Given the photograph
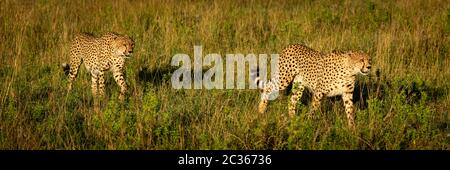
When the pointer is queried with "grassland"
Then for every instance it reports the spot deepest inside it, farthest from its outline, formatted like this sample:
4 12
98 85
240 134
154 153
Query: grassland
402 104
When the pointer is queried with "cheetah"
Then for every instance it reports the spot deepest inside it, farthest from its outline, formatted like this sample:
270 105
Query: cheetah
100 54
324 74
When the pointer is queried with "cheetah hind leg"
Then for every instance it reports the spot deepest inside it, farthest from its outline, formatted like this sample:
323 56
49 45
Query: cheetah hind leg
270 92
267 94
297 91
100 98
118 76
263 103
94 89
75 62
315 105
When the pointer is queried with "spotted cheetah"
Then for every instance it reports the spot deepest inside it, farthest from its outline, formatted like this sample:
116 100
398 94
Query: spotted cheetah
323 74
99 54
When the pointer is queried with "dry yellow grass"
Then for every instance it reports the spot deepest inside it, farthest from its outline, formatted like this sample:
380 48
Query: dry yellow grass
407 105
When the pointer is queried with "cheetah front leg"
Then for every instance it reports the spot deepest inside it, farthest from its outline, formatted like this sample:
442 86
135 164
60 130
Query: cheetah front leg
347 97
118 76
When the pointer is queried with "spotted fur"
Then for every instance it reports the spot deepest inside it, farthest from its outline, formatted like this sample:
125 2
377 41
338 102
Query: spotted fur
100 54
329 74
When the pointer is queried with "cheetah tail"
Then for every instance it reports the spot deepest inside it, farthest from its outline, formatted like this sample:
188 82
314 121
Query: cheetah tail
254 75
66 68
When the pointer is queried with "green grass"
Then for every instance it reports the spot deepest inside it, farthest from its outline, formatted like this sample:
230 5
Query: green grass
406 96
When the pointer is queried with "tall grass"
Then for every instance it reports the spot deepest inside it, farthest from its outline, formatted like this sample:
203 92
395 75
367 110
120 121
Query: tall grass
402 104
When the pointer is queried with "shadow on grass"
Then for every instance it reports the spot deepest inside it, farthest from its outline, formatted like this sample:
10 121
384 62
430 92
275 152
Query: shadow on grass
376 87
161 75
156 76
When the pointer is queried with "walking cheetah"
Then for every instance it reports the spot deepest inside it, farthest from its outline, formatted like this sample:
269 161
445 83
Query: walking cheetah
100 54
323 74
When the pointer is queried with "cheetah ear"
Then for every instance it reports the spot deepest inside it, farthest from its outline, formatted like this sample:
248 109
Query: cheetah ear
360 52
114 42
354 56
363 54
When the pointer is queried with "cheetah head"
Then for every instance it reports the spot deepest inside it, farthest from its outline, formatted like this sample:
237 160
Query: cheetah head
123 46
360 62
